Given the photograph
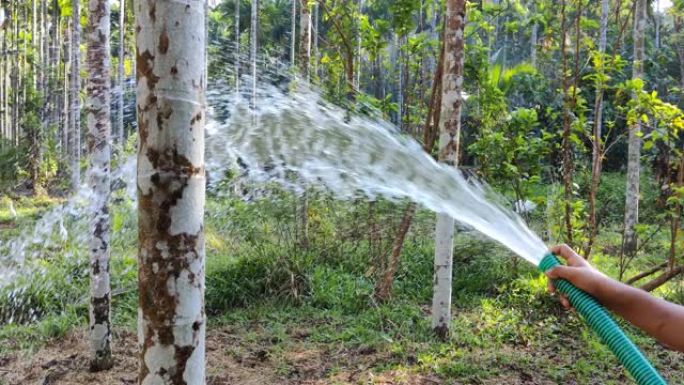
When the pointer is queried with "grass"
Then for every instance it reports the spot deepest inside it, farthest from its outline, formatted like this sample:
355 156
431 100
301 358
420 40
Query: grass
279 301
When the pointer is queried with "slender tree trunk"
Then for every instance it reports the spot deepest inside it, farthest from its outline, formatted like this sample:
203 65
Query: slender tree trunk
533 44
99 153
3 89
305 70
383 288
657 17
253 48
566 144
315 38
629 243
238 47
357 83
74 96
449 140
305 39
293 33
122 57
171 187
66 106
597 143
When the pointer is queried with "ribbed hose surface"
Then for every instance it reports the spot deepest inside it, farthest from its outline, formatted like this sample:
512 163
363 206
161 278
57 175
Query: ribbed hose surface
603 324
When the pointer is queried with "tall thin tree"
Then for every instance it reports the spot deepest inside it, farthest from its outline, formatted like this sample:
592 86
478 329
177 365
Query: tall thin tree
99 152
120 78
253 33
629 242
171 73
597 144
449 142
74 95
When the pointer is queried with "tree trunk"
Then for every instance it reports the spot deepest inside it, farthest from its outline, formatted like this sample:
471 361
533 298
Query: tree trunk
449 140
315 39
253 48
597 143
629 243
171 188
533 44
305 39
122 57
74 96
99 153
383 289
237 47
66 134
566 144
657 17
293 33
305 70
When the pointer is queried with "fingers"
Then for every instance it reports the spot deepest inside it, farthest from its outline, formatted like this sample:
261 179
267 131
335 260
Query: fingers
568 254
551 287
565 302
562 272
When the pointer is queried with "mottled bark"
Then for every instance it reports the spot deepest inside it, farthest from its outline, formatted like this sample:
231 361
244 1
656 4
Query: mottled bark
449 141
315 38
237 46
170 41
120 135
305 39
293 33
74 96
597 143
253 33
629 243
99 152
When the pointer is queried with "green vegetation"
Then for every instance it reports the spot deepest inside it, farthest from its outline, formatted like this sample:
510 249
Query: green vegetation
274 297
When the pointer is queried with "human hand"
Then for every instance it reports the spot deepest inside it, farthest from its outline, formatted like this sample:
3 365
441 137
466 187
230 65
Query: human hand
576 271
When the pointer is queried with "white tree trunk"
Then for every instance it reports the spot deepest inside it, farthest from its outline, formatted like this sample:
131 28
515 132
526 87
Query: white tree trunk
634 144
237 47
449 141
293 34
305 39
74 96
120 97
99 152
253 48
170 41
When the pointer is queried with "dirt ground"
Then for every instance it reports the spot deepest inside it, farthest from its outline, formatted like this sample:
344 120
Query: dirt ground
229 361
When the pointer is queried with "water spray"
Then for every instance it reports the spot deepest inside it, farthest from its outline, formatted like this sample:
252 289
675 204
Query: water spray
607 329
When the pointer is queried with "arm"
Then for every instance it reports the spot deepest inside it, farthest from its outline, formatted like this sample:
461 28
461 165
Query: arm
658 318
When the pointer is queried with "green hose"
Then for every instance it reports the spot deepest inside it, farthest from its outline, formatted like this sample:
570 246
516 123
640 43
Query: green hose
601 322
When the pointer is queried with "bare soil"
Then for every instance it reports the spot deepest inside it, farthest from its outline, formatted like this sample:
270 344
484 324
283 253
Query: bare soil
230 360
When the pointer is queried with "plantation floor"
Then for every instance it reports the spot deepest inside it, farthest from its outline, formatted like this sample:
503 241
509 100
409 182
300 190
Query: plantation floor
260 356
232 360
